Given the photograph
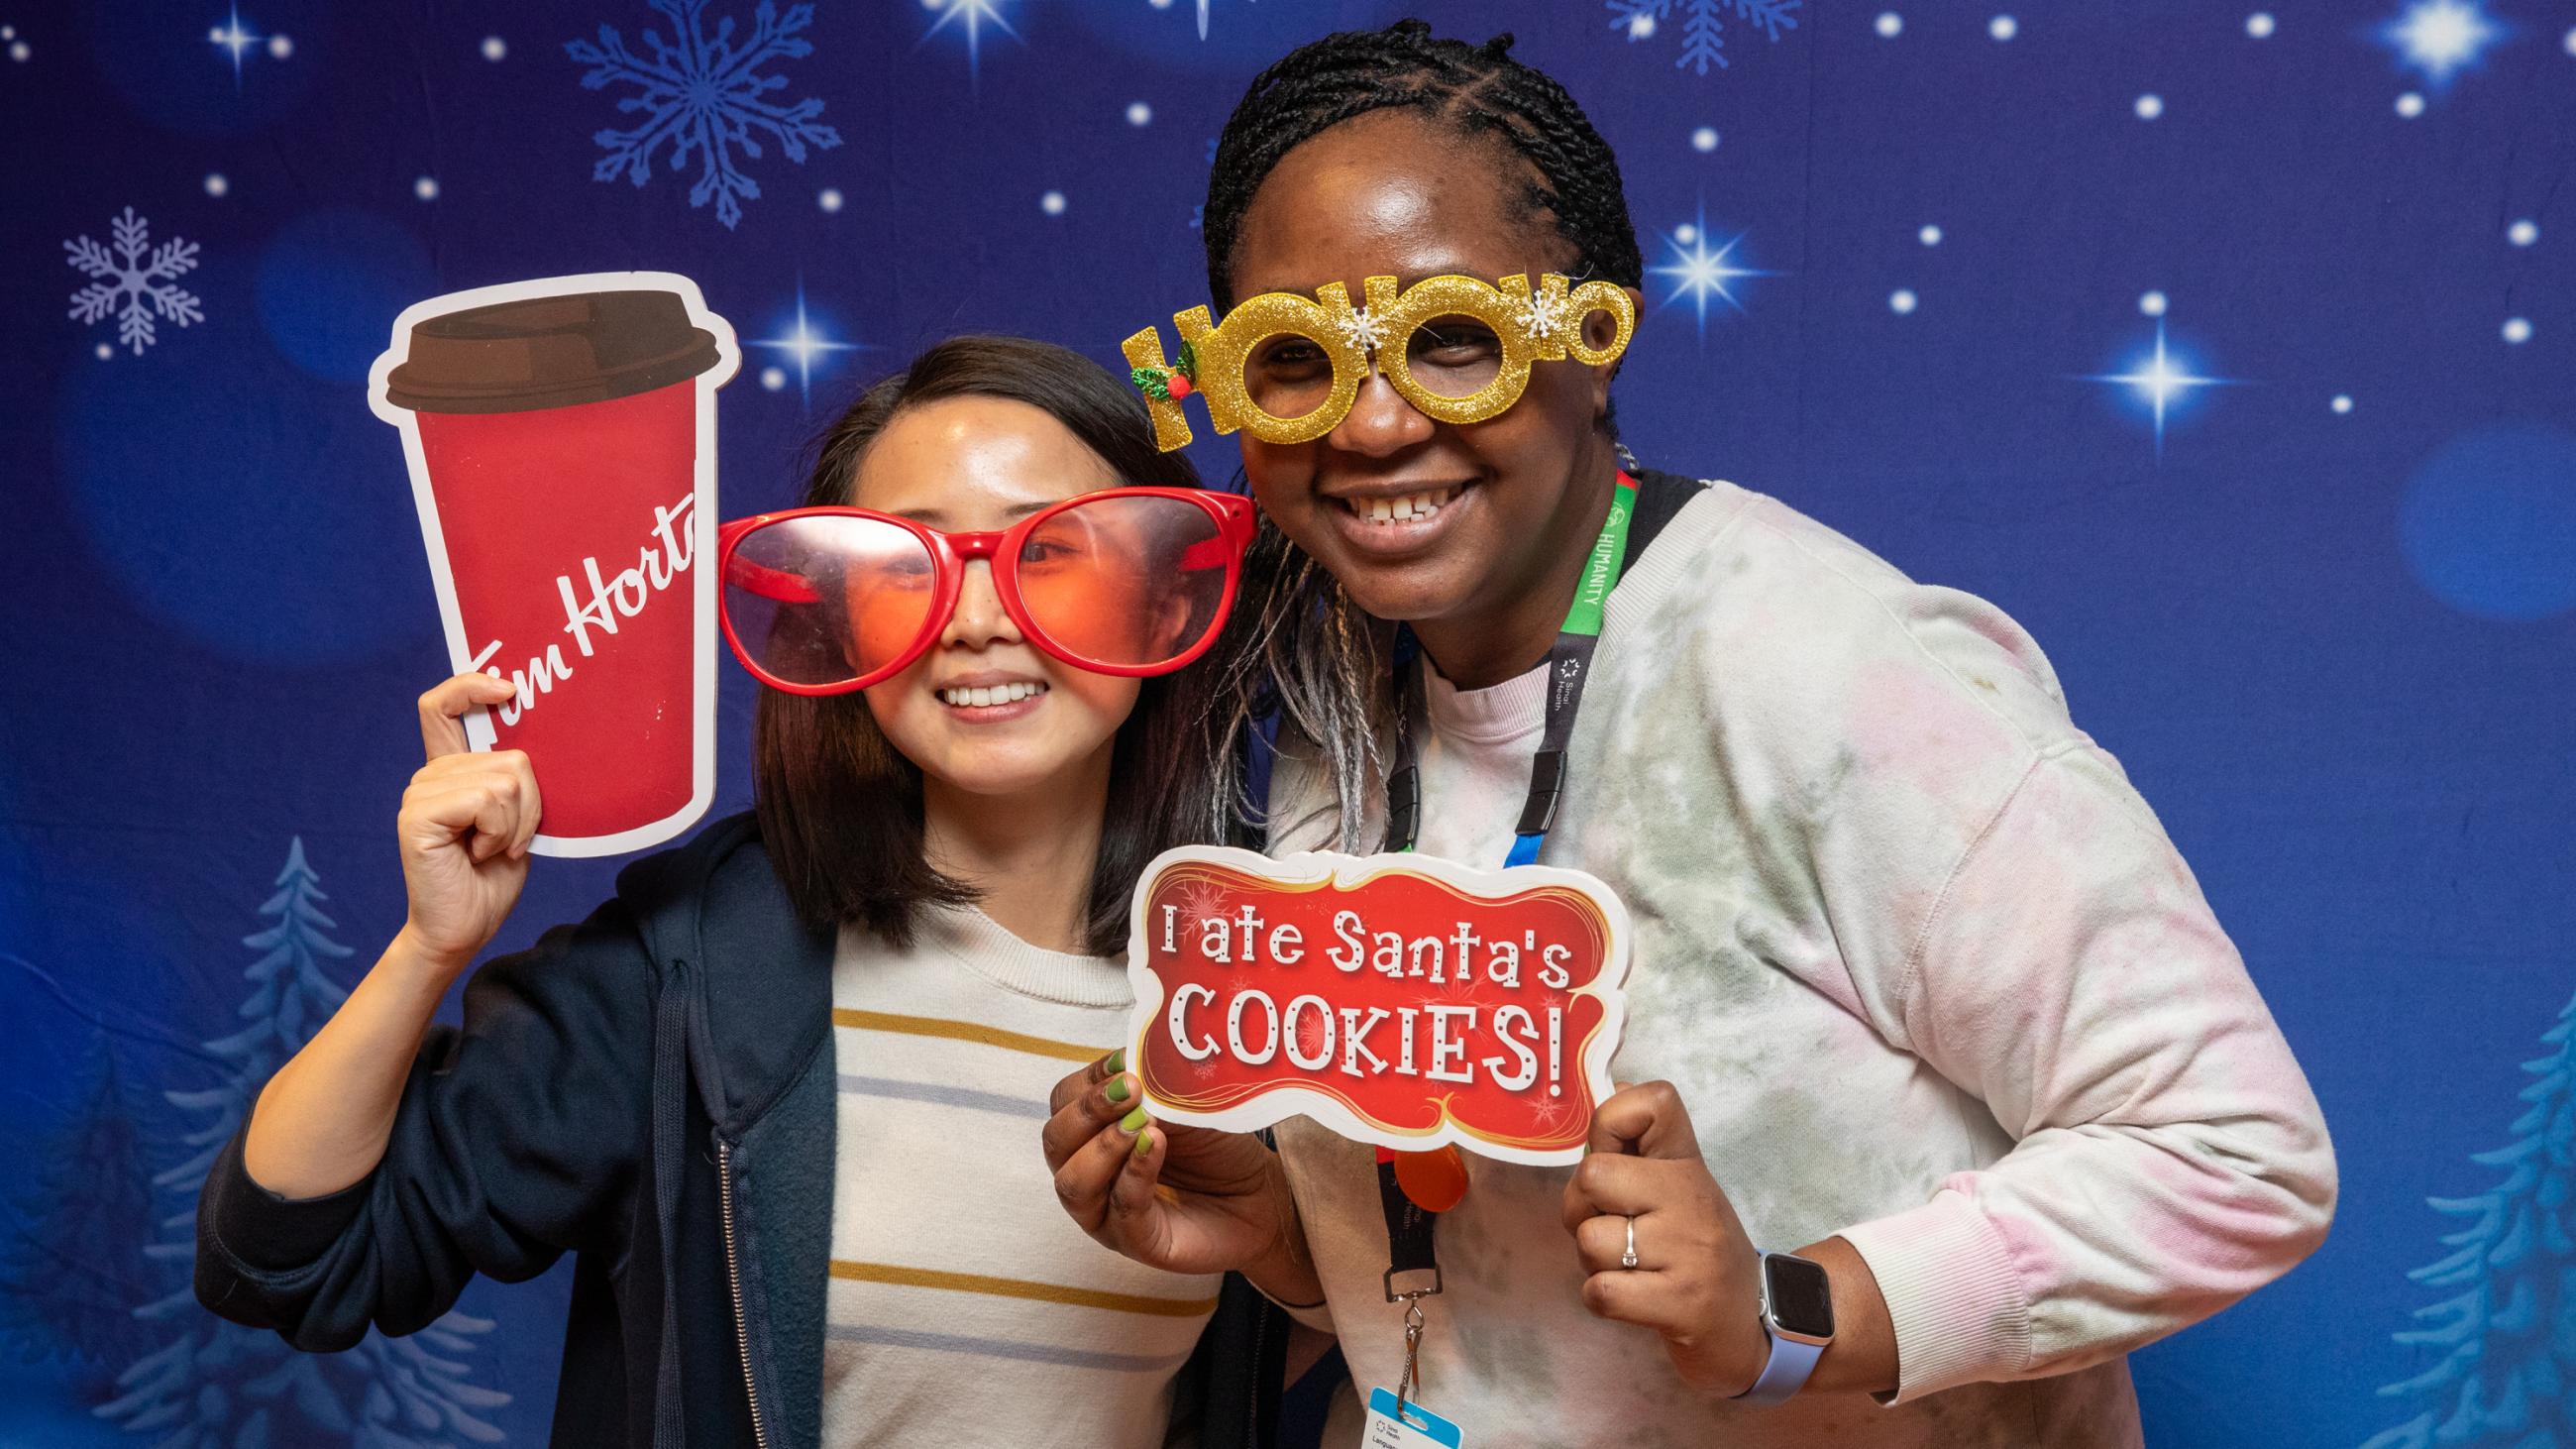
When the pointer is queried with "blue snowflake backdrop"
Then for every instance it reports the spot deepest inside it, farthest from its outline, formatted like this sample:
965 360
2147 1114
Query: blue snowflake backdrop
2232 349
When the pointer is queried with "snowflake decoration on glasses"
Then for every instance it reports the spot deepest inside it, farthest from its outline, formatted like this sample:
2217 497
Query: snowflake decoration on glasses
705 94
1543 315
1361 330
1703 24
137 273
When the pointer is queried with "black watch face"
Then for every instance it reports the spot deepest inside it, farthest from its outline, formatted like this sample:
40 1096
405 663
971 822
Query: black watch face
1801 1300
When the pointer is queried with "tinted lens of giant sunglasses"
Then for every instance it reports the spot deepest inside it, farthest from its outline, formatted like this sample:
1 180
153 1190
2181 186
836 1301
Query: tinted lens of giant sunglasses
1129 582
828 599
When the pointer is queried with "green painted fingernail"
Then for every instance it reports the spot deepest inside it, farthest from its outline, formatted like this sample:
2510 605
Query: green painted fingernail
1117 1061
1133 1122
1117 1090
1144 1144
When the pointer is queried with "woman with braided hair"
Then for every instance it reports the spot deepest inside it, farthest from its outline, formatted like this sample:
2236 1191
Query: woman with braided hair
1923 999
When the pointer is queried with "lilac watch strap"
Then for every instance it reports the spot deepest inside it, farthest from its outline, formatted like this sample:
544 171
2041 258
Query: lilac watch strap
1786 1373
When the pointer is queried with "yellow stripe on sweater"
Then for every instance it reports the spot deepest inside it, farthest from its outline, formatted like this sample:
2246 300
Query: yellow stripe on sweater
965 1031
1021 1288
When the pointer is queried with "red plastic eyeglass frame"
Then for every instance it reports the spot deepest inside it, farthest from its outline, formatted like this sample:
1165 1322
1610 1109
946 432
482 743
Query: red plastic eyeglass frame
1233 513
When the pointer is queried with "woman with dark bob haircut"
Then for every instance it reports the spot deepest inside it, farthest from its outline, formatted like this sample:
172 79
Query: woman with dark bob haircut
758 1093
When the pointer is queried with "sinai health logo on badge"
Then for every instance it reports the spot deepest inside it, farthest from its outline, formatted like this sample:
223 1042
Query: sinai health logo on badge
1401 1000
560 435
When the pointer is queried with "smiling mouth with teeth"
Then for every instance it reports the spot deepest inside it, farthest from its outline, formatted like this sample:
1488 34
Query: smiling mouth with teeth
996 694
1401 510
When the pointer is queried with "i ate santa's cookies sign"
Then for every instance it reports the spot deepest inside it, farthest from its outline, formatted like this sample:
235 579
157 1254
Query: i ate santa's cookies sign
1402 1000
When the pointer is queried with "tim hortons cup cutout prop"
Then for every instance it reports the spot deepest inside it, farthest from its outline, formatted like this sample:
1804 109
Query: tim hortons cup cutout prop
561 438
1402 1000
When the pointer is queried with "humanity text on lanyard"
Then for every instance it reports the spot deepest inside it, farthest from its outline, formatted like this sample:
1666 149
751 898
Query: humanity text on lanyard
1569 663
1410 1224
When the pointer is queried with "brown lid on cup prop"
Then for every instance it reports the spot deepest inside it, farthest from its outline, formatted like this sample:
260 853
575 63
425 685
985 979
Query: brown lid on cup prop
550 352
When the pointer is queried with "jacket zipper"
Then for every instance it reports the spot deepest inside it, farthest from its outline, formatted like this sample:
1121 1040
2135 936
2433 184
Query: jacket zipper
733 1276
1252 1412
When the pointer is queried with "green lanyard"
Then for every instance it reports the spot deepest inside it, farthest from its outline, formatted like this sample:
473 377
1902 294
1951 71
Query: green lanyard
1569 665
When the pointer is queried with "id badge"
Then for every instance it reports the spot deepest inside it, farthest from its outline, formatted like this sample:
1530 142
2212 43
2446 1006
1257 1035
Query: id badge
1419 1429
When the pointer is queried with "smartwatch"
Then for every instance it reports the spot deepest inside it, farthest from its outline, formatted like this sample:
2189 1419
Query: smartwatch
1798 1314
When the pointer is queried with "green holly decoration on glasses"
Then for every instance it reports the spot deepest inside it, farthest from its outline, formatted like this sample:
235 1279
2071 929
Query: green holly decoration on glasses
1169 384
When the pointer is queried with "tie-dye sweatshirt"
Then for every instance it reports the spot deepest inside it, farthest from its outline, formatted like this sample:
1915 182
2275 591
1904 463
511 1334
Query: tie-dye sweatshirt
1927 974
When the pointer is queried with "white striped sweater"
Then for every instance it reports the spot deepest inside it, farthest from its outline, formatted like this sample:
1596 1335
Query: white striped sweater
964 1306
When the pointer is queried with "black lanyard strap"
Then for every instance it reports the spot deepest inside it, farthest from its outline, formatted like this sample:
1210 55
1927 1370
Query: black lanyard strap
1647 505
1408 1232
1638 511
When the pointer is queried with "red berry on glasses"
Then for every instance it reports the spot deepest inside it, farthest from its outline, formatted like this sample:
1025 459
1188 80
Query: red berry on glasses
1180 386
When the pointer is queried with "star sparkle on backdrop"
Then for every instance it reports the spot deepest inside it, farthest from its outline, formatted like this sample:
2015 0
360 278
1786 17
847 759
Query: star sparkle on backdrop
974 15
1202 8
805 346
1697 272
234 38
2439 38
2161 380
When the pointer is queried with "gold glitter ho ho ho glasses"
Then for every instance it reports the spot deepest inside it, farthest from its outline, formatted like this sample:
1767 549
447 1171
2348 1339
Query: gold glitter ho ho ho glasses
1286 370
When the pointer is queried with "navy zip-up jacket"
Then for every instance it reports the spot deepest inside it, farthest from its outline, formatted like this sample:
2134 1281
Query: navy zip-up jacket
652 1090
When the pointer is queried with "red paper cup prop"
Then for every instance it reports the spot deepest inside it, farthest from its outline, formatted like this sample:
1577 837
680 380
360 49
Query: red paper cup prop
561 440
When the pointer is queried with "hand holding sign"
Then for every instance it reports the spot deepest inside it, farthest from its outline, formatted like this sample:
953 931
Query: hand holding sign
1696 1278
1401 1000
1186 1199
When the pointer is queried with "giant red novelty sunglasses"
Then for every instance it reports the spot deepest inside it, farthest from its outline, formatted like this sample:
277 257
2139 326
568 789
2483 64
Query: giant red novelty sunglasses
1130 581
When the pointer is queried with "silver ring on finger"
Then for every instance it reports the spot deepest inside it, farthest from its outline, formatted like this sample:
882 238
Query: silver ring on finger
1628 1259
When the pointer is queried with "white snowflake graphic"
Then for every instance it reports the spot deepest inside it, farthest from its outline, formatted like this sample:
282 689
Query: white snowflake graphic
1547 1112
704 93
1543 315
1361 330
137 273
1703 24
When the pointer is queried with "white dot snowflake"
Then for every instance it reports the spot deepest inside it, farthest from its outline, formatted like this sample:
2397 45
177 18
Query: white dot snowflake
138 274
703 93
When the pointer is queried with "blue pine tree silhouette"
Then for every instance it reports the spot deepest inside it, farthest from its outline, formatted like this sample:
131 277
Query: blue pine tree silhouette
214 1383
68 1281
2506 1335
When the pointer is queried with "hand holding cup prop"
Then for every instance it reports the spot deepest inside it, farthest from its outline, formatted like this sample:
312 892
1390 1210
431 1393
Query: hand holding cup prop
560 437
